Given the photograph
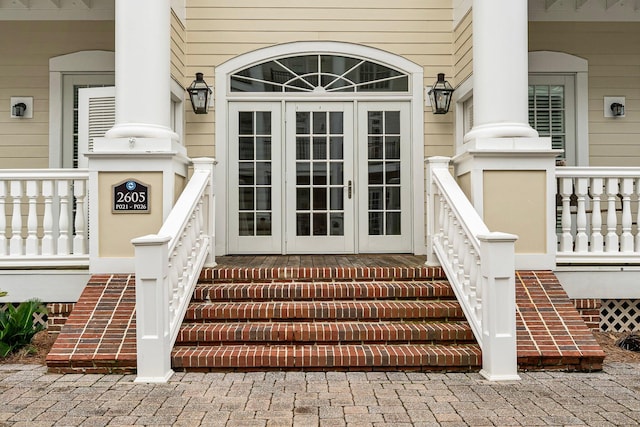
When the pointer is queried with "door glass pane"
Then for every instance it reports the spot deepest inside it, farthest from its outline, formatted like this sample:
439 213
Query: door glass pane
384 167
254 173
319 174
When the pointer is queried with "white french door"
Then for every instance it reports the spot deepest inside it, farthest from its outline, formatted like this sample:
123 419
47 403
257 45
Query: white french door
255 178
384 178
319 177
319 184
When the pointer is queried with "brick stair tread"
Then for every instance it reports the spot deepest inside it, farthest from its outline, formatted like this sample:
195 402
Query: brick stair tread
333 332
327 356
339 310
323 290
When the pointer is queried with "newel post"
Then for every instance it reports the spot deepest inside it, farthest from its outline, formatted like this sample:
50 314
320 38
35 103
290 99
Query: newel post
433 204
499 351
152 309
209 206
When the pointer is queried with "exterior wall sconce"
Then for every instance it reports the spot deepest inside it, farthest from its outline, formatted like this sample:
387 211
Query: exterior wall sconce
21 107
614 106
200 94
440 95
617 109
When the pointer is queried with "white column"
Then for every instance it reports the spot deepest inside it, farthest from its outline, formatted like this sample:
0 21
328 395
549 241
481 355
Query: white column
143 74
500 70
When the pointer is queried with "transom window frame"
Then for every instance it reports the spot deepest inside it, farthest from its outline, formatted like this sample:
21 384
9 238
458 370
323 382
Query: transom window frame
320 73
415 96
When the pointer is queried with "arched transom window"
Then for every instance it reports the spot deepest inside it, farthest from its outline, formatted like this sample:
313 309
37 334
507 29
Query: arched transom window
319 73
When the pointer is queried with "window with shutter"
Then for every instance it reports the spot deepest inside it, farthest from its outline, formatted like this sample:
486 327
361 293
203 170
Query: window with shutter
552 113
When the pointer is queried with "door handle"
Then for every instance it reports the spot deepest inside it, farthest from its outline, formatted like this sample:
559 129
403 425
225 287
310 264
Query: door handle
349 189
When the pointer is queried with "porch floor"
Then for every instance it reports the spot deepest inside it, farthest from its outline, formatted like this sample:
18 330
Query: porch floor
99 335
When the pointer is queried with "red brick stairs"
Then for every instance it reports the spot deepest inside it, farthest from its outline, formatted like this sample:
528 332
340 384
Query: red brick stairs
378 318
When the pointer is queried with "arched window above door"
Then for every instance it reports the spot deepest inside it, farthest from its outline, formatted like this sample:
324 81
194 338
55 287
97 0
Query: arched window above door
319 73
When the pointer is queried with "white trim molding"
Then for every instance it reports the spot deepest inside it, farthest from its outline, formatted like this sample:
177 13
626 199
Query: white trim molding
416 97
83 62
541 62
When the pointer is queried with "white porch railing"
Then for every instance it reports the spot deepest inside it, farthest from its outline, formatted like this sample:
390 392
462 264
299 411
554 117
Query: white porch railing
598 213
43 218
480 266
167 268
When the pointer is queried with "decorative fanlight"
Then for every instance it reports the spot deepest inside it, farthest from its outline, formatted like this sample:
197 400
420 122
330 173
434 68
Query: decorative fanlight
440 95
200 94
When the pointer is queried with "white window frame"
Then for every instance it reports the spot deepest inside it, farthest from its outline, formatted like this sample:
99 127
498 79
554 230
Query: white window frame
84 62
415 95
547 62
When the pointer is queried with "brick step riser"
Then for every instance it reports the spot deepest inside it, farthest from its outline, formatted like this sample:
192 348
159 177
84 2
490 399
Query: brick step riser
225 316
322 292
325 333
357 357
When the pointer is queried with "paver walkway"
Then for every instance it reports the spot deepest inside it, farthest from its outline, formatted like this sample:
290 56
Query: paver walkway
31 397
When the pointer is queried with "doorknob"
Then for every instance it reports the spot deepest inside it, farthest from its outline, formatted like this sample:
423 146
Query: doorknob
349 189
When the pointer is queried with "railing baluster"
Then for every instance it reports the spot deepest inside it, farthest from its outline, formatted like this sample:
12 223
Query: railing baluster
566 239
3 218
626 238
79 240
63 221
47 220
637 184
16 243
582 241
611 240
31 247
597 239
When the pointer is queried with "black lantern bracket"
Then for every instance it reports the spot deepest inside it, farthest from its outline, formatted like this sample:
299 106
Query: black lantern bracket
440 95
200 94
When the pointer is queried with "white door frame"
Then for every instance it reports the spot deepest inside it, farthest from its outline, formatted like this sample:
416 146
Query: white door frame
415 96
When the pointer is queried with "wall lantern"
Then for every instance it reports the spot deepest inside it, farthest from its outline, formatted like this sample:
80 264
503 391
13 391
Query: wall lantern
200 94
617 109
440 95
19 109
614 106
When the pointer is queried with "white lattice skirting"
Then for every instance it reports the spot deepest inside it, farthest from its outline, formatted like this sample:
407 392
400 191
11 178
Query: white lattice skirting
620 315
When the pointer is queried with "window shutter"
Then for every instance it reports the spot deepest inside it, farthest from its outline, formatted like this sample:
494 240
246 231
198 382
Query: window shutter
96 115
547 113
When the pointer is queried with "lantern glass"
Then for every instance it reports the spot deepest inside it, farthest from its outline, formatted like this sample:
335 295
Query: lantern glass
440 95
200 94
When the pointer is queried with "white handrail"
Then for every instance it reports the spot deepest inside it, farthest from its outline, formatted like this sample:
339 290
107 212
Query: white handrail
599 213
480 266
47 226
167 268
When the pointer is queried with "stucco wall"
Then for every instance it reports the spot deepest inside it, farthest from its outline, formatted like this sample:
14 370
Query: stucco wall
24 71
418 30
613 52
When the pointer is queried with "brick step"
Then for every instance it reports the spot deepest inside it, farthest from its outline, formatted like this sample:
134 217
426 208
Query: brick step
363 273
324 332
324 310
466 357
323 291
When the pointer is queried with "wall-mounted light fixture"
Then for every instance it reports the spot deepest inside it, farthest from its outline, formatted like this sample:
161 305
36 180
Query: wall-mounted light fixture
617 109
440 95
200 94
614 106
21 107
